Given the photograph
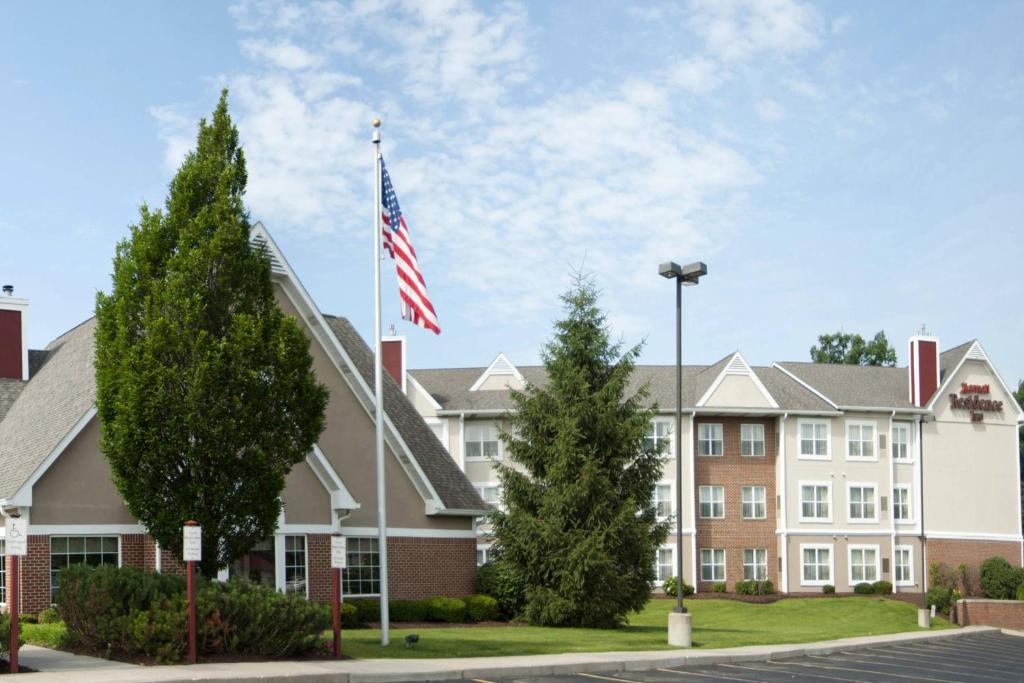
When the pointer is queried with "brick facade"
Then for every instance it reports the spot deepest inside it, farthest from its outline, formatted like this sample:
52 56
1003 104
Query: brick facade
428 567
734 471
972 553
1000 613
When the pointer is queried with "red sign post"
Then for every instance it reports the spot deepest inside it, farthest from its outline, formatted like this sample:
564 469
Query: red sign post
192 552
338 558
13 606
16 545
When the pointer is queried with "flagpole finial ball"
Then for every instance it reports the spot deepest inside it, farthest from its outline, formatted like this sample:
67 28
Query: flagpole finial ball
376 123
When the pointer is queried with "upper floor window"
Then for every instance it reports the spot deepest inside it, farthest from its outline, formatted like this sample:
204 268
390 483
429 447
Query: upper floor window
815 502
663 502
712 502
659 437
483 555
901 503
709 439
753 498
862 503
814 439
491 494
751 439
860 440
900 442
438 427
482 441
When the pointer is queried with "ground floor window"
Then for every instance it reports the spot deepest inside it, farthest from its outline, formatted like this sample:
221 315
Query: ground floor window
483 555
712 564
3 573
362 576
816 564
295 564
91 550
260 564
755 564
666 563
903 566
863 564
257 565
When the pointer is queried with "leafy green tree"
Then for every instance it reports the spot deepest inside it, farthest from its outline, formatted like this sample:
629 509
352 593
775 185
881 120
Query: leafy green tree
580 530
205 389
851 349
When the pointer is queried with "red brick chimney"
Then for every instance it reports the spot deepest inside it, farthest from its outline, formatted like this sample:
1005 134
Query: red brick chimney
13 344
393 358
923 369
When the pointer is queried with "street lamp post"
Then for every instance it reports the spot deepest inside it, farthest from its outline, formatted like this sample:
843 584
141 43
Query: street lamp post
923 613
679 621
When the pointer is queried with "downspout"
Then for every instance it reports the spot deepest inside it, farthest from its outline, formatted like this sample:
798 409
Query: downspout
462 441
892 504
693 506
784 522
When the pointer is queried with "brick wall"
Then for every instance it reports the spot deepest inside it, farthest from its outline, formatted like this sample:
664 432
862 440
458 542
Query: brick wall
734 471
133 550
427 567
1000 613
973 553
318 560
35 576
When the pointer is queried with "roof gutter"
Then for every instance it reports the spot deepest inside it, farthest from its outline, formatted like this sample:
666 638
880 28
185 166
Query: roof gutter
451 512
886 409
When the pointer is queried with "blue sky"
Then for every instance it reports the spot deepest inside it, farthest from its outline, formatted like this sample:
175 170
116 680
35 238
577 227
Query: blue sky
837 165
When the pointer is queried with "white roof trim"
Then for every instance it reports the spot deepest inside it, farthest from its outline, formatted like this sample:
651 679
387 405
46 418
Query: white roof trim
499 367
23 498
806 386
739 367
319 328
976 352
341 499
423 391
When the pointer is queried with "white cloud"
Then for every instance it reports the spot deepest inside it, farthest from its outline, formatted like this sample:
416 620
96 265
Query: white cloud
282 54
769 110
698 75
177 131
840 24
736 30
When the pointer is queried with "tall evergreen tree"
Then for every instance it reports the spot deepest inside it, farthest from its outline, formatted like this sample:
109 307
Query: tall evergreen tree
579 529
205 389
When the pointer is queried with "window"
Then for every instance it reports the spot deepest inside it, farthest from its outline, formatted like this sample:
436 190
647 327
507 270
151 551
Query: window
900 442
663 502
814 439
362 575
491 494
903 566
712 564
815 564
712 502
482 441
752 440
91 550
3 573
258 565
863 564
666 563
753 502
815 502
755 564
483 555
901 503
860 440
659 437
295 564
438 427
709 439
862 503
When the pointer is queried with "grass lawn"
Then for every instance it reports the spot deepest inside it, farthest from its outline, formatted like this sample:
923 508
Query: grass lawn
716 623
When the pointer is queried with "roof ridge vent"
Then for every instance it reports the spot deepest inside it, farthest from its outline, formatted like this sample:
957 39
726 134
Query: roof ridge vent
500 366
257 241
737 365
976 352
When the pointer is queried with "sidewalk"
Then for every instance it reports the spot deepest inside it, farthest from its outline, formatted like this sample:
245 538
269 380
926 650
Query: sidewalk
392 670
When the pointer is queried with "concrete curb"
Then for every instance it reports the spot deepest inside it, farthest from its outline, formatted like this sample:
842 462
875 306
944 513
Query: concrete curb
394 670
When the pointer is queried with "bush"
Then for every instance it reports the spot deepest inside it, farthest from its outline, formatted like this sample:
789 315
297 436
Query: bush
1020 592
5 634
882 587
940 574
28 619
481 608
408 610
755 587
448 610
368 611
863 588
941 597
718 587
48 616
999 580
669 586
501 581
828 589
349 615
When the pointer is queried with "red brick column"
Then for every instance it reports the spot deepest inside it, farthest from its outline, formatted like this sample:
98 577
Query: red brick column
133 550
35 576
318 564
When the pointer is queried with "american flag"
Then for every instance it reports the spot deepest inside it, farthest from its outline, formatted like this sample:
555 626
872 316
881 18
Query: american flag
412 289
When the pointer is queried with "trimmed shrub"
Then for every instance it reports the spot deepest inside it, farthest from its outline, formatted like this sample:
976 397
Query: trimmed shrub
941 597
828 589
719 587
940 574
448 610
368 611
5 634
48 616
1020 592
669 586
863 588
481 608
999 579
408 610
752 587
501 581
882 587
28 619
349 615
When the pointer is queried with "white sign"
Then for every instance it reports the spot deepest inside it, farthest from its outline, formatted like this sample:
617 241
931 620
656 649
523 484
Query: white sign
16 541
339 554
192 547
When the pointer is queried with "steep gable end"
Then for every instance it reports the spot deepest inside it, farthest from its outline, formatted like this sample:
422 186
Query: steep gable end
737 386
499 375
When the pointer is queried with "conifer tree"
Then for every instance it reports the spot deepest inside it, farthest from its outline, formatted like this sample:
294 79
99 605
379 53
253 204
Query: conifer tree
579 530
205 389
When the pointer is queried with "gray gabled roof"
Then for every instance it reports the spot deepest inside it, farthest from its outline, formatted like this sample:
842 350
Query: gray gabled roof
445 476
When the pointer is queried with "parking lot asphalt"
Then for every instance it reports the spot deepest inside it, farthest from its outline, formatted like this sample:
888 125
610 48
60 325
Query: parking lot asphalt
982 657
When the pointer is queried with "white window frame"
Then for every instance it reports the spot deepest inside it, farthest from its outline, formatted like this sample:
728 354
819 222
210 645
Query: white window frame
658 565
830 547
49 551
350 566
700 501
3 574
281 561
850 485
754 502
861 424
799 439
753 441
755 564
800 502
671 500
907 489
445 436
484 548
724 566
497 436
906 428
711 440
849 562
670 447
909 549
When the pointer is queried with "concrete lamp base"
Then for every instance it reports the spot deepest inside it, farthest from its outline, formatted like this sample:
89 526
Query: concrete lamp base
924 618
680 629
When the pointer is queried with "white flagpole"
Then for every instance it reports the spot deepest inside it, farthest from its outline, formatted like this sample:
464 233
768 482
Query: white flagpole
378 387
